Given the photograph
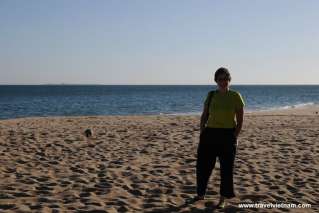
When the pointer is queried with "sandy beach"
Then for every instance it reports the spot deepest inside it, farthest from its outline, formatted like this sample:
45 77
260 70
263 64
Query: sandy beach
147 163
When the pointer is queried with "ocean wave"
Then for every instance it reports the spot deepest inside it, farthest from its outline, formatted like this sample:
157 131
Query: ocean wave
286 107
247 109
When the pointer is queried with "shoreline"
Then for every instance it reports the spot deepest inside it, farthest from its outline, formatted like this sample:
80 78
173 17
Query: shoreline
304 110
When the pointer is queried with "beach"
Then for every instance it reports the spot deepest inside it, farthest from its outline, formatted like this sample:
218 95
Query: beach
146 163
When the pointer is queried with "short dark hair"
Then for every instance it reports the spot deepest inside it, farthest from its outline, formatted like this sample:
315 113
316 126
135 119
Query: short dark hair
222 71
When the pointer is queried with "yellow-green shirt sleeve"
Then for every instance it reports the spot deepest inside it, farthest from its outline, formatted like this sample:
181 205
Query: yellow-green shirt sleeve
239 101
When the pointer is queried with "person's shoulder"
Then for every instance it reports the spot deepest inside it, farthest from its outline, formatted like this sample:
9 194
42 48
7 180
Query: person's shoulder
234 92
211 92
237 97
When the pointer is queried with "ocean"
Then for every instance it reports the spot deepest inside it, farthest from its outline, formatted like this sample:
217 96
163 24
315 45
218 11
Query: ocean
18 101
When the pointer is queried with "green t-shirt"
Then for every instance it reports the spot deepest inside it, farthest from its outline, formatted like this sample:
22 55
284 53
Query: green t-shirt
222 109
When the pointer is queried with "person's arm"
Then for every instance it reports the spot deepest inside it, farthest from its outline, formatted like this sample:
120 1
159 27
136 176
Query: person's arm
239 119
204 118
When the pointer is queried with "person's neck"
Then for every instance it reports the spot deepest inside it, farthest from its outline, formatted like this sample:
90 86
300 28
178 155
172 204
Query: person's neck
223 90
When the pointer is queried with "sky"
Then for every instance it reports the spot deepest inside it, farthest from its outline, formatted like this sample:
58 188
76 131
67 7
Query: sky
158 42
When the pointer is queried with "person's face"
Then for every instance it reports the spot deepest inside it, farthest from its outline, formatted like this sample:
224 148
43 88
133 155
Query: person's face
222 81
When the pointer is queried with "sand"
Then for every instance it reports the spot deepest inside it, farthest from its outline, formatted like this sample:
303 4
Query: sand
147 163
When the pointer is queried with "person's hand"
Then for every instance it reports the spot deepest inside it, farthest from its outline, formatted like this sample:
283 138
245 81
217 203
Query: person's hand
236 133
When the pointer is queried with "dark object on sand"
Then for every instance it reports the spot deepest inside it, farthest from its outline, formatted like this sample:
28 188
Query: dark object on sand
88 133
316 112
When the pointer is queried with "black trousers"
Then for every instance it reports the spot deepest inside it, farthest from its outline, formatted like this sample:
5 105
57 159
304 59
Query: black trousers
213 143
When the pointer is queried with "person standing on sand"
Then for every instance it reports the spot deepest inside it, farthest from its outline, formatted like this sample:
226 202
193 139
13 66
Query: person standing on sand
220 125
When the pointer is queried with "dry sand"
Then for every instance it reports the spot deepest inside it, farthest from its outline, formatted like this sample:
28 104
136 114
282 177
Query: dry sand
147 163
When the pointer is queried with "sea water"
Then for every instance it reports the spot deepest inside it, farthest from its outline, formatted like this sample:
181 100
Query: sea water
72 100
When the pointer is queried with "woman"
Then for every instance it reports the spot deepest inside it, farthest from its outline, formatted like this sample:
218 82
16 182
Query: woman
220 125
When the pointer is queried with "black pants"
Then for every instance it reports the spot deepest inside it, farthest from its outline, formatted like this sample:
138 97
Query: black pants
221 143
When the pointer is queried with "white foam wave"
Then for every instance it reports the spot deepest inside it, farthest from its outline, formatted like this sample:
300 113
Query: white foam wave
287 107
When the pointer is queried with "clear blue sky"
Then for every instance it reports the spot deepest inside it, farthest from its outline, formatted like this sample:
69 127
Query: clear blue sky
158 42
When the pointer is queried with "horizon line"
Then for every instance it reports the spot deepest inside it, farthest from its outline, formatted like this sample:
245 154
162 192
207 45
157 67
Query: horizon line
87 84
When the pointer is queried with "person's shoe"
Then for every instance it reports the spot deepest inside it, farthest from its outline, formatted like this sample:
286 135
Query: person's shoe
221 205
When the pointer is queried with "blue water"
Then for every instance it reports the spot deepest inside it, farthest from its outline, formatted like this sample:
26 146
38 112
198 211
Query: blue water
65 100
